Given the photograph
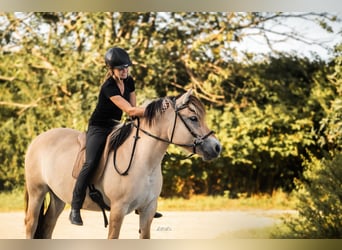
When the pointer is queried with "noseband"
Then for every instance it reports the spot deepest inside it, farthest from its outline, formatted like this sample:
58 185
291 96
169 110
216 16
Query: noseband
198 139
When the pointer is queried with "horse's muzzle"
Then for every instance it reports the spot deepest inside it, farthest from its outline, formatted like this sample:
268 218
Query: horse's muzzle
209 149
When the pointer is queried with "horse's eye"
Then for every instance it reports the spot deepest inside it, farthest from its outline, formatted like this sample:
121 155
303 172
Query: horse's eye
193 118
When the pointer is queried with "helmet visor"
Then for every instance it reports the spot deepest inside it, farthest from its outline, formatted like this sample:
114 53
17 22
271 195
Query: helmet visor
121 67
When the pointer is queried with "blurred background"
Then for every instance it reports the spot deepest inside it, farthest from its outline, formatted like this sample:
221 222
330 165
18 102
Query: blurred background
270 81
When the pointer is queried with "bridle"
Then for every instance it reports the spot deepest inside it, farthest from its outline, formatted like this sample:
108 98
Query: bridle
198 139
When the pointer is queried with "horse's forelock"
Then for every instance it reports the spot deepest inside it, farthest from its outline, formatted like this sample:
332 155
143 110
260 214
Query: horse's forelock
156 107
198 106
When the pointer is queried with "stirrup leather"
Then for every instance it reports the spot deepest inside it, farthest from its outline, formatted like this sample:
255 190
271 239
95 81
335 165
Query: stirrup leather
97 197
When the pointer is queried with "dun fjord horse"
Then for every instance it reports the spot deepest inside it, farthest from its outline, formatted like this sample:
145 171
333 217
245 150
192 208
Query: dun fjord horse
50 158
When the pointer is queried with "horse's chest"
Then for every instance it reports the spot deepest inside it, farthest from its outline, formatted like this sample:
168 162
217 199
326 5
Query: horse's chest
133 191
148 187
146 190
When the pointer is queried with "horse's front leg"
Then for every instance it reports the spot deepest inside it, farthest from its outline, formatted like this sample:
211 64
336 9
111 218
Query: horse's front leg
145 220
115 221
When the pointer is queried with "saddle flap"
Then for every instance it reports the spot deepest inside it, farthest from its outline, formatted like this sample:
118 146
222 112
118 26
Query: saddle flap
81 156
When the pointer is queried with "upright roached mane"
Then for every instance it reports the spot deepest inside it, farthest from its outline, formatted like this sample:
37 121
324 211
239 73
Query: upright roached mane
119 134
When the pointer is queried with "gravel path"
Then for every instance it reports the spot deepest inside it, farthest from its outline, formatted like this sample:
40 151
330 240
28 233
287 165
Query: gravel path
173 225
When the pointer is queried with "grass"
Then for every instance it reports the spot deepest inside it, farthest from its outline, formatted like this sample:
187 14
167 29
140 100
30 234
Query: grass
14 201
253 233
278 200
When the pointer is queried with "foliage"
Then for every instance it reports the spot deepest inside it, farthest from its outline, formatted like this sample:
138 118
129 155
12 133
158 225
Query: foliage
331 125
38 94
319 193
277 117
266 111
265 127
319 202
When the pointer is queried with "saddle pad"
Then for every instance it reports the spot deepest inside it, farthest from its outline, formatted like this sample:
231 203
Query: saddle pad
80 158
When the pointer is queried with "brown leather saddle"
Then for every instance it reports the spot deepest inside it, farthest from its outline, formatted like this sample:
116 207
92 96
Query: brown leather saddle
80 159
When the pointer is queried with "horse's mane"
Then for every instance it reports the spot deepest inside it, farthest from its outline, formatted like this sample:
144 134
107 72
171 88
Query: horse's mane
121 131
154 108
119 134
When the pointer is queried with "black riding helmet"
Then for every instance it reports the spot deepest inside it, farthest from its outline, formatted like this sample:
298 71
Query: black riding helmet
117 57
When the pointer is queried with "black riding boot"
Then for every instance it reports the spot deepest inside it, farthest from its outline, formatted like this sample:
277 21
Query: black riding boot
75 217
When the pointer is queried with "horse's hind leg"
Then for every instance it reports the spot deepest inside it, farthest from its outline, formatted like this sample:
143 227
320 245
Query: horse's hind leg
54 210
34 198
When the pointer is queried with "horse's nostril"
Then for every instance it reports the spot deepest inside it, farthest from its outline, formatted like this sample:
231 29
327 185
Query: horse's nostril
218 148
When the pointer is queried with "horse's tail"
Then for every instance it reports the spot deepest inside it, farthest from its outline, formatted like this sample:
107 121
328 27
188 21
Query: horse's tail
39 232
26 202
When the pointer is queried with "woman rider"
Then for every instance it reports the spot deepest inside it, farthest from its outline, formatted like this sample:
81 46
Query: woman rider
117 95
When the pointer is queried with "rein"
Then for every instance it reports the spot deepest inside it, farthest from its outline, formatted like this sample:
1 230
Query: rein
198 140
136 137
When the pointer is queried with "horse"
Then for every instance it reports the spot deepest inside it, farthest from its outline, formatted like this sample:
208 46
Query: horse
132 181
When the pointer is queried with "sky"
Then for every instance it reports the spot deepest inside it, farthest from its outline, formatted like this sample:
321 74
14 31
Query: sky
308 29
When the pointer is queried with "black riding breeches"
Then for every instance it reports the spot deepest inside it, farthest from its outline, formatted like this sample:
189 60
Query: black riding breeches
95 143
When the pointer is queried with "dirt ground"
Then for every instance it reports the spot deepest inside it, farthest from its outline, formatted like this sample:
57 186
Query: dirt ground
173 225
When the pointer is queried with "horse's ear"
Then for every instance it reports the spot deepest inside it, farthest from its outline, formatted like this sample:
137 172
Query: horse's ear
183 99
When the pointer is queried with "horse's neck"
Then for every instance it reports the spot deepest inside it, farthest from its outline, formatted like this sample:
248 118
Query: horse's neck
156 148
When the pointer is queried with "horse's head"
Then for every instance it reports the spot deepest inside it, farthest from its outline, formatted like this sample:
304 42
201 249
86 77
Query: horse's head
184 118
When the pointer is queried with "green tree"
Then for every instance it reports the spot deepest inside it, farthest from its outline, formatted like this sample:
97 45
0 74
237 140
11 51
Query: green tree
44 84
319 201
330 132
267 124
52 66
319 193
